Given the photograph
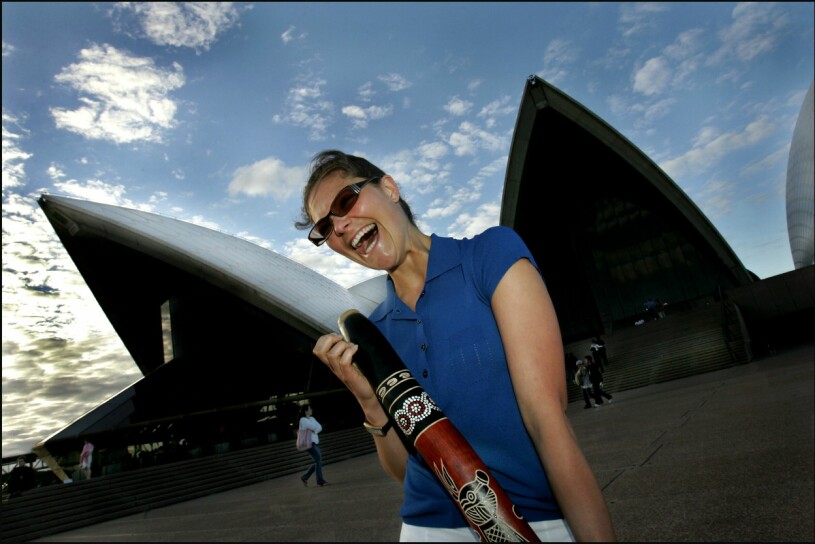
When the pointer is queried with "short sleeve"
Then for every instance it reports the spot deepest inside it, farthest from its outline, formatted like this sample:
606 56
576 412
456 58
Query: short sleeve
494 252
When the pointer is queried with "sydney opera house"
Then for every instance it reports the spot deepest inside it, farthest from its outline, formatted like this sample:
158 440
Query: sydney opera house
222 329
801 186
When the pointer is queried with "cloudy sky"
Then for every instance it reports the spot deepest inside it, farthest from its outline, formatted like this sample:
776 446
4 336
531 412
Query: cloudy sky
210 112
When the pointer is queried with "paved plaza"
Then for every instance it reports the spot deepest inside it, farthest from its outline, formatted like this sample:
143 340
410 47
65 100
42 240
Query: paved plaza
723 456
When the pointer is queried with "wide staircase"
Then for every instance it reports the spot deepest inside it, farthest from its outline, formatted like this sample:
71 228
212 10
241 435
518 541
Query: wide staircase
61 507
702 339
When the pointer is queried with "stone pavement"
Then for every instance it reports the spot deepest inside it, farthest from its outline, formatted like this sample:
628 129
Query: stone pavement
723 456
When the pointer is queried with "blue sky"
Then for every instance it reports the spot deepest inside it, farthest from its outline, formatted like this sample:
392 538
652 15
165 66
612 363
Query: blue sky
210 113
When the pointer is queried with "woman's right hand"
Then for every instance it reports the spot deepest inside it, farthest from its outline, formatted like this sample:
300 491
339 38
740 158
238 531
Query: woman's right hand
337 354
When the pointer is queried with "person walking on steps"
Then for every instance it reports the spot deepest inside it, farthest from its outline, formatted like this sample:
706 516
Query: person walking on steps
308 423
596 378
581 378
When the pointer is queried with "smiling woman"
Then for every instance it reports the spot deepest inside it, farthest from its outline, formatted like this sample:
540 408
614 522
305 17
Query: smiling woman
350 167
340 206
456 311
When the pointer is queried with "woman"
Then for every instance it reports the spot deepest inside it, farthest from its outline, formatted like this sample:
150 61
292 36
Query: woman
309 424
473 322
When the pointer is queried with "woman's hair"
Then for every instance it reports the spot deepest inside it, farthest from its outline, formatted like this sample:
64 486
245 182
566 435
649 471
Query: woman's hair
330 160
303 409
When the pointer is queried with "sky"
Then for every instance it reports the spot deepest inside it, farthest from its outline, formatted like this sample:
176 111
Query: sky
210 113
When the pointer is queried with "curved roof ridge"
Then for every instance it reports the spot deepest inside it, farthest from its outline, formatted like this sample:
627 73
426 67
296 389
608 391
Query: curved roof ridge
273 282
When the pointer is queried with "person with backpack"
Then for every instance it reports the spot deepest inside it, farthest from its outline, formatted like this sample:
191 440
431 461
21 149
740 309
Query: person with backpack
581 378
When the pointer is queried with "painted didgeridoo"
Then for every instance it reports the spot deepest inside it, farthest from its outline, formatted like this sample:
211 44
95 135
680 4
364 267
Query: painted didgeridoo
423 427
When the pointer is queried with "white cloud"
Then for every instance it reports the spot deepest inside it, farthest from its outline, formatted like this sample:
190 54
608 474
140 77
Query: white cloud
55 172
708 149
94 190
306 107
467 225
653 77
558 56
183 24
768 163
366 91
502 106
656 110
360 116
686 45
97 190
125 98
267 176
419 169
457 197
289 35
53 332
754 31
13 156
8 49
716 198
395 82
678 62
636 16
442 207
432 151
468 139
457 106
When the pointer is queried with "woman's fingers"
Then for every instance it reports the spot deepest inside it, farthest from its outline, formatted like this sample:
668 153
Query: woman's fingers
338 355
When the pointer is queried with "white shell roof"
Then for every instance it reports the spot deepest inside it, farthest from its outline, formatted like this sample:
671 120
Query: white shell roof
292 292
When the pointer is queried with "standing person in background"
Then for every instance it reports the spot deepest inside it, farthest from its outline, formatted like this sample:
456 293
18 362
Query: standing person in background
598 349
473 322
86 459
583 379
308 423
21 478
596 377
651 309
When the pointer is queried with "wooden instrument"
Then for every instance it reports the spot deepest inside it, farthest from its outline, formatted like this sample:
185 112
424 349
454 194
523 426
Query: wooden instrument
423 427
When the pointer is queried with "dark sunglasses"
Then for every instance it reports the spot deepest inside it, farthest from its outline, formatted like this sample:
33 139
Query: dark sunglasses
340 207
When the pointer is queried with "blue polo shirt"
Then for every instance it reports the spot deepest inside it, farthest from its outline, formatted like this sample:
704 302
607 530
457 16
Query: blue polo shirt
452 346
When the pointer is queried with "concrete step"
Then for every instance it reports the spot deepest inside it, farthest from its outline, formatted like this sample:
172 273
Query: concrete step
700 340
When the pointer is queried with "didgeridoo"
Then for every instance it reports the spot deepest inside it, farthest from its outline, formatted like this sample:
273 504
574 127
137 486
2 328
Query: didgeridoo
422 426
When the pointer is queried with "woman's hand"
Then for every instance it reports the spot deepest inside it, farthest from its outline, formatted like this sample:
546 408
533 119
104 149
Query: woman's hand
337 354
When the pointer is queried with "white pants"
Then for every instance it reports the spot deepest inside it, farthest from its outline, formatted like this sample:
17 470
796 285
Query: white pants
556 530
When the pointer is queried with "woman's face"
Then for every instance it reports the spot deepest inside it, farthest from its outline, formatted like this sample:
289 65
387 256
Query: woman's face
373 232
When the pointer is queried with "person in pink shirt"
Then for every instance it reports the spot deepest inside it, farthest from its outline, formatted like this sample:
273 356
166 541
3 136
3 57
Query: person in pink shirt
86 458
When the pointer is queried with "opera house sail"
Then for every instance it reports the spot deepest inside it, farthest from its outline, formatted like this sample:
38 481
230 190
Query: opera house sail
801 186
606 225
221 329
